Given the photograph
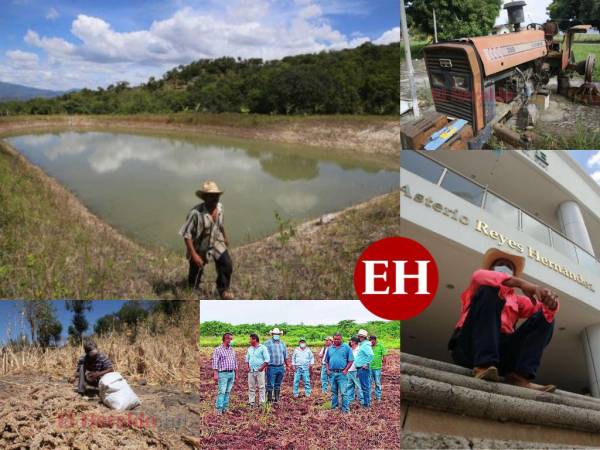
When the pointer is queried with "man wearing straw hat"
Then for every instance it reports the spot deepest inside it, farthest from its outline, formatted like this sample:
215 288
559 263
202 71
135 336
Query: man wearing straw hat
485 338
277 364
205 239
363 359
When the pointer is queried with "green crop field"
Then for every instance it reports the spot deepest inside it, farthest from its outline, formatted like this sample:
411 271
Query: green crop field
388 333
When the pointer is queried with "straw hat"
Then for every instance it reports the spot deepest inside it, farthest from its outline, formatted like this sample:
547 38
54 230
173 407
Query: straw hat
494 254
208 187
329 338
362 333
275 331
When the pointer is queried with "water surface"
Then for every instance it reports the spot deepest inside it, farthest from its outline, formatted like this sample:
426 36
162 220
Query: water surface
144 185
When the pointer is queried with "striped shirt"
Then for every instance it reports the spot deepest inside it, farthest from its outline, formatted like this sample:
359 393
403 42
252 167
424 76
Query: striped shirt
206 233
277 352
100 364
224 358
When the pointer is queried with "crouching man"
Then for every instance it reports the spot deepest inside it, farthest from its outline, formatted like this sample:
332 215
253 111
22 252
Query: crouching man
485 338
91 367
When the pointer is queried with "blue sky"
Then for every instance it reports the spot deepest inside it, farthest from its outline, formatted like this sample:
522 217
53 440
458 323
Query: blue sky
64 44
589 160
11 322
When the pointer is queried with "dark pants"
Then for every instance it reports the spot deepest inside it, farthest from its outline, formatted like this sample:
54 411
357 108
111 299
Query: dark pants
479 343
224 267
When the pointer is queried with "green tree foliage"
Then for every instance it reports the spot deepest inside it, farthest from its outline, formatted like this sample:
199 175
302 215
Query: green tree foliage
79 323
388 332
364 80
41 317
455 18
575 12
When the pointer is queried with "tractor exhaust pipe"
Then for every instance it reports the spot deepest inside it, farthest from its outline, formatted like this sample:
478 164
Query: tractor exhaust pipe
516 16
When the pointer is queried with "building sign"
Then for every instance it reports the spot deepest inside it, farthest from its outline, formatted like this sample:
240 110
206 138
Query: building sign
537 156
502 240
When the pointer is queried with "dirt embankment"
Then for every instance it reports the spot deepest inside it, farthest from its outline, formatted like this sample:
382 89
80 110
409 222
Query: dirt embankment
77 255
370 135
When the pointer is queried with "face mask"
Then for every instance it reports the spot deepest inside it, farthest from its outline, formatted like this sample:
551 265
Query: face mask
503 269
276 337
231 342
302 345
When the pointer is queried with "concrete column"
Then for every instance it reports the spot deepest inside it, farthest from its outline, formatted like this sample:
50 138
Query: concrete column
573 226
590 338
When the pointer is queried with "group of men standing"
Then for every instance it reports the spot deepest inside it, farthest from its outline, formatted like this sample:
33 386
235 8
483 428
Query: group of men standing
348 371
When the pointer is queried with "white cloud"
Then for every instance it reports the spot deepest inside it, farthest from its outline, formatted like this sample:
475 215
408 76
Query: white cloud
98 55
52 14
388 37
22 60
594 160
596 176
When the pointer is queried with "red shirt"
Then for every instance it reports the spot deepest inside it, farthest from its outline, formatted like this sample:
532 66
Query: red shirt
516 306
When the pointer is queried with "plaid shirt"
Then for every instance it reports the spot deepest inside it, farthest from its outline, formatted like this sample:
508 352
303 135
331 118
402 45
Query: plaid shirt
101 363
224 358
277 352
206 234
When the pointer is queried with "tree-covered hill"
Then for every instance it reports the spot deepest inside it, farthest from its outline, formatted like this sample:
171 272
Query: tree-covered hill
364 80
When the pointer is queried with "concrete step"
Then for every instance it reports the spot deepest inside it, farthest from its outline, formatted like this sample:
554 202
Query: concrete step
415 440
445 399
460 376
454 369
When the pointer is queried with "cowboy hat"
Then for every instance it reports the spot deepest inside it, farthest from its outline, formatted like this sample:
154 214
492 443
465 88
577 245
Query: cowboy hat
362 333
275 331
494 254
208 187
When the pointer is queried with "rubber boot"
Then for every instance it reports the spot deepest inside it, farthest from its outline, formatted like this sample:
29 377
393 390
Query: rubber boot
277 392
270 396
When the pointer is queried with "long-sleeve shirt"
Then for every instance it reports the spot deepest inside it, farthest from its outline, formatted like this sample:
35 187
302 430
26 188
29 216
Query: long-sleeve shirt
515 307
303 358
100 364
224 358
323 354
277 352
205 232
257 356
364 355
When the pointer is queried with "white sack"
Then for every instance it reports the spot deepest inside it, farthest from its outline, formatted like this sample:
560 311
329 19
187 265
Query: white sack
116 393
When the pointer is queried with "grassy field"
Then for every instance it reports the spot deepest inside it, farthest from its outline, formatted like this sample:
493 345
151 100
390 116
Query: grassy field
299 423
581 52
52 247
416 49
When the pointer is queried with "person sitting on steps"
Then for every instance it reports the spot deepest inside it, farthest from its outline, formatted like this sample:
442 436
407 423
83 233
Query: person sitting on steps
485 338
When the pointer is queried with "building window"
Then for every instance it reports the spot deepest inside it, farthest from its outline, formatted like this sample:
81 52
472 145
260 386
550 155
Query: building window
502 209
463 188
420 165
587 260
563 245
536 229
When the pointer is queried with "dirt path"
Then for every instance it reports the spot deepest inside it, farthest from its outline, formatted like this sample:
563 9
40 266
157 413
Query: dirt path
302 423
38 413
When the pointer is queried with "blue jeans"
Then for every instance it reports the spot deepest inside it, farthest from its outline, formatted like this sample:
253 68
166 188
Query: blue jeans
339 385
376 379
354 385
325 381
304 374
275 377
364 376
223 389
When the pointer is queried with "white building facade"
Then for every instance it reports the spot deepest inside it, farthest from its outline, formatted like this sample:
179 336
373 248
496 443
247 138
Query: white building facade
540 204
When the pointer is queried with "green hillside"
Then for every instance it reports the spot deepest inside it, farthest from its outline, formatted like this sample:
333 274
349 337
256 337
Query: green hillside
363 80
